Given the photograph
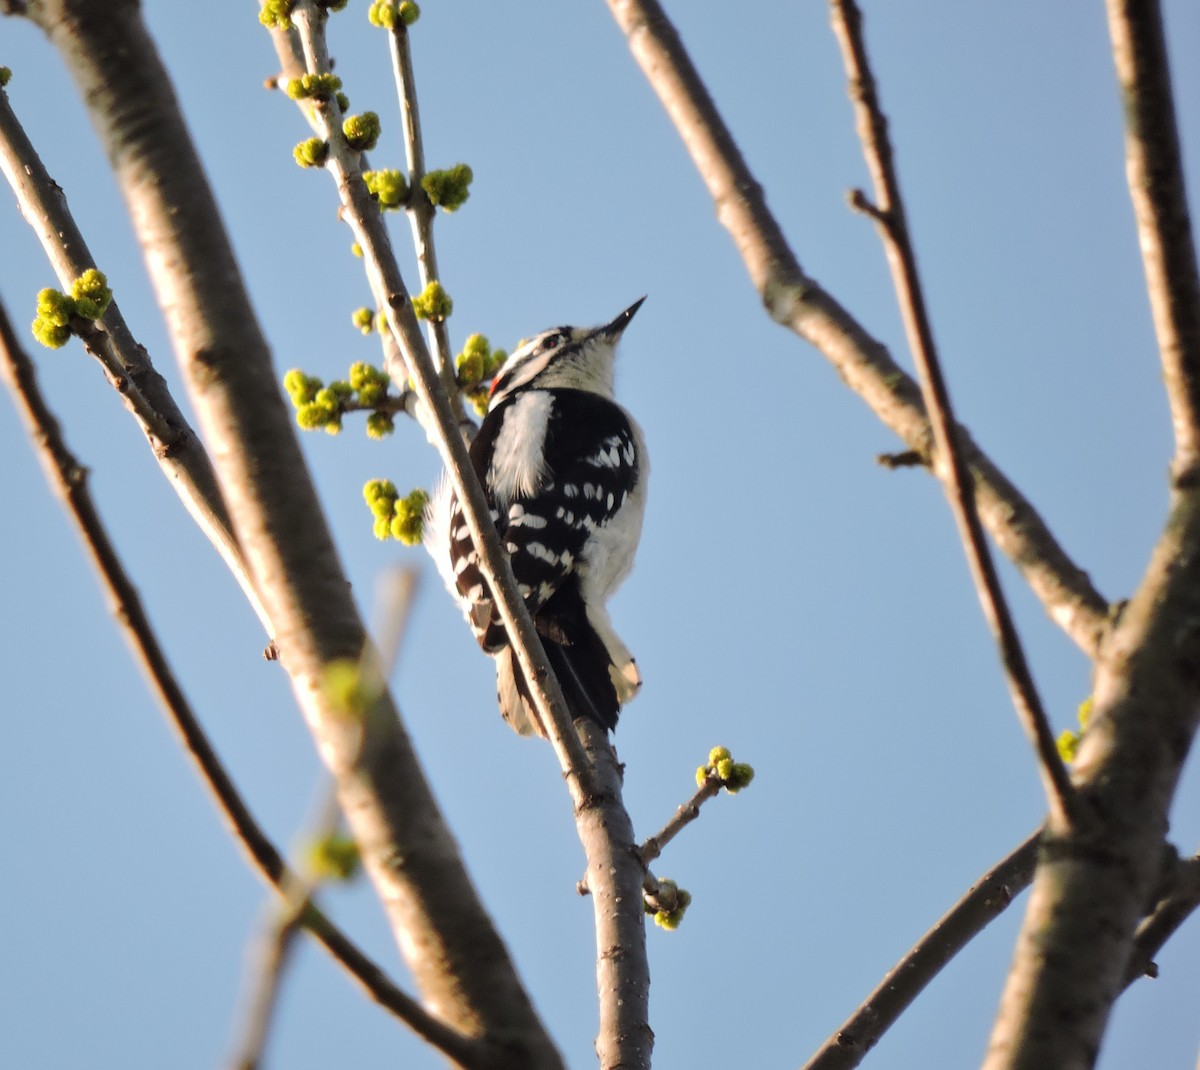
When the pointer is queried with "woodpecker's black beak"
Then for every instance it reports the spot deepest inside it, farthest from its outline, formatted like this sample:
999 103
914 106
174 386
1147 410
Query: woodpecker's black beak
613 330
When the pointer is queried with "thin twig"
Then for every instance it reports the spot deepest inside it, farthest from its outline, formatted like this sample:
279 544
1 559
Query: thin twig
421 212
950 465
684 816
1161 924
127 365
69 480
1154 168
284 919
798 301
985 901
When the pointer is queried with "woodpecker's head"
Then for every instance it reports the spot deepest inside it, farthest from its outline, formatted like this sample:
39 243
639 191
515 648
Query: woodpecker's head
576 358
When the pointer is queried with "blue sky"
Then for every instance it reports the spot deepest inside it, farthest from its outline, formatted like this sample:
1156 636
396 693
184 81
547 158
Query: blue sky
792 600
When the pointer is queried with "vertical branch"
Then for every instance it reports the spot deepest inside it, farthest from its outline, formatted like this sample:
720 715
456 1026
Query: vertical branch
950 464
421 212
1156 186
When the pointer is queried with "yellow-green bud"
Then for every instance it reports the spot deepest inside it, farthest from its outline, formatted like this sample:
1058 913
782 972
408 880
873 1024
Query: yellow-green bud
382 13
408 12
361 131
389 188
409 520
343 687
739 777
320 86
380 496
363 374
1068 745
383 528
449 189
356 250
91 293
432 303
51 335
718 754
55 307
313 415
363 318
334 858
311 153
277 14
372 395
5 76
380 425
301 388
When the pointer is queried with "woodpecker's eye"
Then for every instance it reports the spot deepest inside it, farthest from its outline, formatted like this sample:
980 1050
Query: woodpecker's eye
549 343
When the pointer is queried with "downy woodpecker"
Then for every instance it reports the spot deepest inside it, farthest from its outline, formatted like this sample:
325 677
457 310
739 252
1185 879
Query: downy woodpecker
564 468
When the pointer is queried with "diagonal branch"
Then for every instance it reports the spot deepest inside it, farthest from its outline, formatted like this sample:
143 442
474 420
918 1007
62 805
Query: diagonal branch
1154 169
890 217
985 901
69 481
798 301
178 450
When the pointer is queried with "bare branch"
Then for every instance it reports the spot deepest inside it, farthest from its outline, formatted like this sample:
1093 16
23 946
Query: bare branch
1160 925
890 217
457 957
1156 186
684 816
69 481
284 920
985 901
798 301
1093 884
176 447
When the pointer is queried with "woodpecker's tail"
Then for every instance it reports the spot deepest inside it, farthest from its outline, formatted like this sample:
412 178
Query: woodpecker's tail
585 674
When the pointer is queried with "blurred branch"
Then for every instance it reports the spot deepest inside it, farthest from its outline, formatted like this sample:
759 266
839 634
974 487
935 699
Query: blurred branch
891 220
284 920
457 958
176 447
69 481
1154 169
1160 925
797 301
985 901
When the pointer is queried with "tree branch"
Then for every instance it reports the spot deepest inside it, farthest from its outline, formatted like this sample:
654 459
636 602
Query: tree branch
179 452
420 212
985 901
446 936
68 479
1168 915
1093 884
797 301
891 220
1156 186
583 751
